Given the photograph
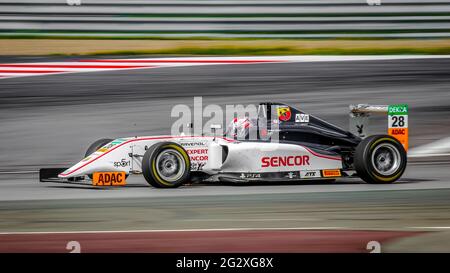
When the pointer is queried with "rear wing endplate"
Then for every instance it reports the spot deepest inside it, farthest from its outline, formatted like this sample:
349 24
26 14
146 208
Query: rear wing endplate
397 120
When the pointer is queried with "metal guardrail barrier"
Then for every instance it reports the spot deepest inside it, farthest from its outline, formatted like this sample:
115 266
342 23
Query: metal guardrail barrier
227 18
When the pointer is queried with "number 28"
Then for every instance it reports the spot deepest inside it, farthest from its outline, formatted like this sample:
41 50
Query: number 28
398 121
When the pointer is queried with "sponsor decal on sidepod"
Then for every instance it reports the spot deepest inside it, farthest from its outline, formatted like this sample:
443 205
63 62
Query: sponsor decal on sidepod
310 174
198 154
281 161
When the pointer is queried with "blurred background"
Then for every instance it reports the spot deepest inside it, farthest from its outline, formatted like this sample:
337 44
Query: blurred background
227 18
225 26
48 119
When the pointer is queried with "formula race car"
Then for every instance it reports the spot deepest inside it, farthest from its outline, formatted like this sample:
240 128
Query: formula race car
301 147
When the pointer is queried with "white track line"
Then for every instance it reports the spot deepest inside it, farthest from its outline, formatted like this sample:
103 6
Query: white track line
221 229
431 228
18 172
172 230
437 148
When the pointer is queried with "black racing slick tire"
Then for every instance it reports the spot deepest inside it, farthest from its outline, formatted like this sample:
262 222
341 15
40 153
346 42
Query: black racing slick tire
166 165
95 146
380 159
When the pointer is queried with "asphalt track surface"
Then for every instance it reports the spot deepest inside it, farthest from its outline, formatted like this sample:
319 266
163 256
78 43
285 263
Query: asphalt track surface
50 120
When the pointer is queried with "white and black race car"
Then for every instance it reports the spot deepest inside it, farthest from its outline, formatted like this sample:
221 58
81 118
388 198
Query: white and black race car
306 148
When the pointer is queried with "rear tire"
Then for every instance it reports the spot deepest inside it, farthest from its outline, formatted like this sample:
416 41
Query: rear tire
380 159
95 146
166 165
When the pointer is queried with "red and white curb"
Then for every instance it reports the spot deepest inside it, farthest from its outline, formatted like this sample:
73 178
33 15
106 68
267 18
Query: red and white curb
8 70
50 68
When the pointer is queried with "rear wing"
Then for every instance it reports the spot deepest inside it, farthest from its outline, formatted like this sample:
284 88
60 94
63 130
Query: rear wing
397 120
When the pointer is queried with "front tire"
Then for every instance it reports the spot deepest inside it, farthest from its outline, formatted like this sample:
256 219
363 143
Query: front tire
380 159
166 165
